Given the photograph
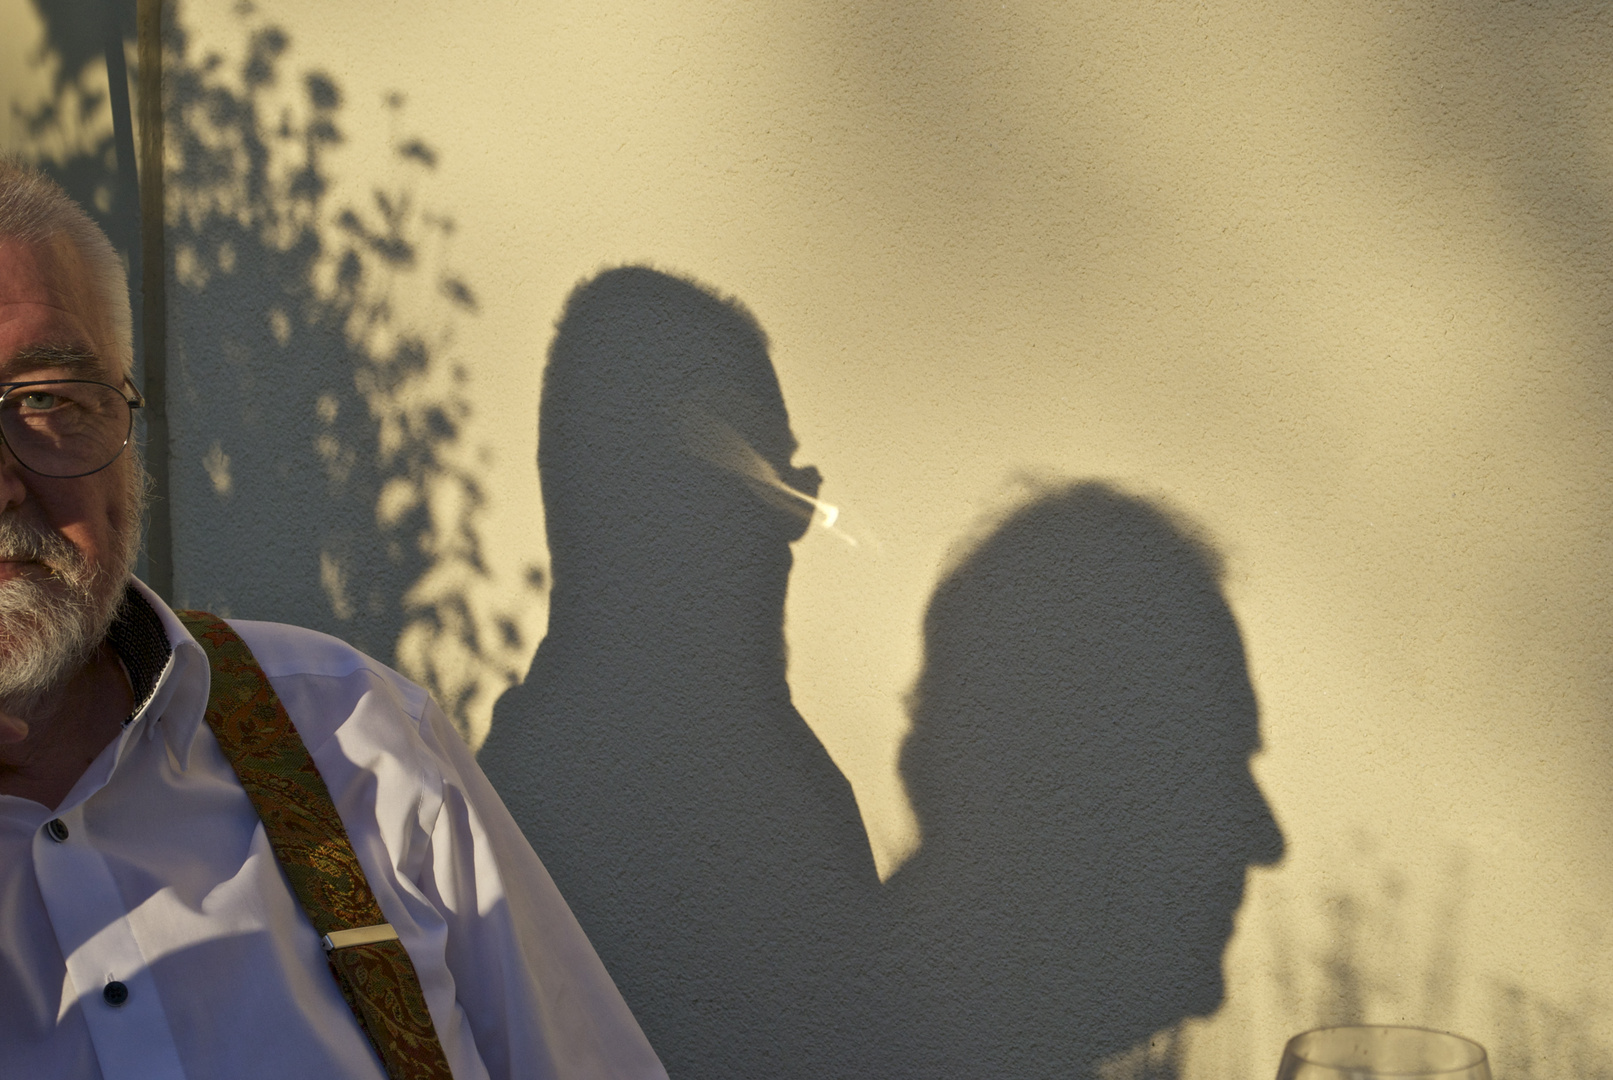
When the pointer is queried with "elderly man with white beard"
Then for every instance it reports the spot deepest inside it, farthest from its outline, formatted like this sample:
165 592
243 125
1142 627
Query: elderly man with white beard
229 849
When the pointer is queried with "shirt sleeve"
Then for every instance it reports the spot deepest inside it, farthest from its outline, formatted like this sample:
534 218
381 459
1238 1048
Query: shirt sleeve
537 999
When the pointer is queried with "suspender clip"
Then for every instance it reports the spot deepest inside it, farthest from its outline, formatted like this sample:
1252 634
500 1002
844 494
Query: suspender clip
359 935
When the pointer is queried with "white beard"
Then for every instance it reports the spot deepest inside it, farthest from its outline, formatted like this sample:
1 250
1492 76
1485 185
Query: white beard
51 628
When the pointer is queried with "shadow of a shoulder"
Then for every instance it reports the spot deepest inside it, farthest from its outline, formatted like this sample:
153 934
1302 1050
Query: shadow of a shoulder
700 831
1078 758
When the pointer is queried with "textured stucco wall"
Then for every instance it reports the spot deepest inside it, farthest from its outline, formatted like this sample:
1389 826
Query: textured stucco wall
1330 280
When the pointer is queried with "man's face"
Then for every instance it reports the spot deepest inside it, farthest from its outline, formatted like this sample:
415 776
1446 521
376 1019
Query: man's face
52 327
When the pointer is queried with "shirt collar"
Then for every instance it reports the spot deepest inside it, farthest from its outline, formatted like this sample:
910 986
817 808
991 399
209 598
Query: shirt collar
154 645
171 679
138 637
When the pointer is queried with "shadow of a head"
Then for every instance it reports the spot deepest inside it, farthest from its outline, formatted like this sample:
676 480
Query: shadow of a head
694 822
1079 762
663 429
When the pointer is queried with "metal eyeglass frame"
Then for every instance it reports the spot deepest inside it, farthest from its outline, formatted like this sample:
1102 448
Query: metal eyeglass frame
136 402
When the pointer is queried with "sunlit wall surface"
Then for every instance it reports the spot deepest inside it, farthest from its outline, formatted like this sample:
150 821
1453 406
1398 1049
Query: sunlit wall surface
1331 280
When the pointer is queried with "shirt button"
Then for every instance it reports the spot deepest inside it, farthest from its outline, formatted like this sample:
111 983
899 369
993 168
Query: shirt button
115 993
57 829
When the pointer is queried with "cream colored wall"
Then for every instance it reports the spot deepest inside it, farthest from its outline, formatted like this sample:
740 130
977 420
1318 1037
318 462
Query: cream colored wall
20 80
28 69
1332 278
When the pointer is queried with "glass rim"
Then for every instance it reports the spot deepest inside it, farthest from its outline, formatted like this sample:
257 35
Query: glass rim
1480 1056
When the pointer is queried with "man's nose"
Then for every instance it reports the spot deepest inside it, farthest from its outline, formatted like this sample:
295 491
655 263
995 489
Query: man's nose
1266 843
13 486
804 478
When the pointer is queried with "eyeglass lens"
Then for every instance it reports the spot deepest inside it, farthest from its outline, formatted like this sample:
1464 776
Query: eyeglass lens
65 429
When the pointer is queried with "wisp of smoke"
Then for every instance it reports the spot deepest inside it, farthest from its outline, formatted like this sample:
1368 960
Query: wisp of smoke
714 440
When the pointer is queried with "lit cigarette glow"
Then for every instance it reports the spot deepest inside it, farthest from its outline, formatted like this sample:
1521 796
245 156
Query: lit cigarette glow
717 442
826 513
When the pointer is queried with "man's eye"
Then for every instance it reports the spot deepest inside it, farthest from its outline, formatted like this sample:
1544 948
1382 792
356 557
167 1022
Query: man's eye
38 399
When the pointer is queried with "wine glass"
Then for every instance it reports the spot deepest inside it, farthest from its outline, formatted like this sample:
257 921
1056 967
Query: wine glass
1370 1052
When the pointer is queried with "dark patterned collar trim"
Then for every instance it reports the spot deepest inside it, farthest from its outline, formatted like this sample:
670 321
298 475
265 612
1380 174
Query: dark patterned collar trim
137 636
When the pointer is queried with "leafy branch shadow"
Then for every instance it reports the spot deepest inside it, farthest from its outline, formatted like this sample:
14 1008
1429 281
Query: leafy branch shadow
322 470
1387 950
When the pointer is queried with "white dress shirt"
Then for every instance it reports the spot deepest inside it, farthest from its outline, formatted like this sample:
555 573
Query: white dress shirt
155 873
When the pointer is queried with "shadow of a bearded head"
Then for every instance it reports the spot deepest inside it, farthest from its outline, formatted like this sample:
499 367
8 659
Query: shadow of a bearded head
1079 762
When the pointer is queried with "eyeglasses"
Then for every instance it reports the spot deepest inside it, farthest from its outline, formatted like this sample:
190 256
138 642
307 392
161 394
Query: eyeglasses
66 427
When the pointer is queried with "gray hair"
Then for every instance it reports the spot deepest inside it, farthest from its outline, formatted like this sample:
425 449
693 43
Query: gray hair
34 209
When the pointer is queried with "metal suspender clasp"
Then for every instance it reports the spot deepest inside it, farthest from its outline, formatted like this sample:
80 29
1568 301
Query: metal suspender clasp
359 935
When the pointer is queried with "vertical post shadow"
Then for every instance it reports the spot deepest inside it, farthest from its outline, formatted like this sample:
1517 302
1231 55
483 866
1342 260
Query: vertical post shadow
699 830
1079 763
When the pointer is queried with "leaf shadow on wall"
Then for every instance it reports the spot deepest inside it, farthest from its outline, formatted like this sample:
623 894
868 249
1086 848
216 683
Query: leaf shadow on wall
1079 764
320 466
1370 948
67 133
698 829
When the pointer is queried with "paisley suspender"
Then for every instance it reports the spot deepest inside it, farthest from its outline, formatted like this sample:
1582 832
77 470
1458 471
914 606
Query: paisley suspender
371 967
